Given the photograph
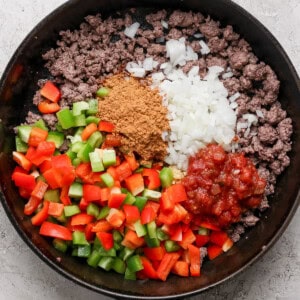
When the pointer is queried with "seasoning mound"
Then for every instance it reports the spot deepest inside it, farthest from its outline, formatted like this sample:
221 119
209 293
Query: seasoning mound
138 114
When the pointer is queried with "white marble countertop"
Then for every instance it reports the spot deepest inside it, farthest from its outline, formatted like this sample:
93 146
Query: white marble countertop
24 276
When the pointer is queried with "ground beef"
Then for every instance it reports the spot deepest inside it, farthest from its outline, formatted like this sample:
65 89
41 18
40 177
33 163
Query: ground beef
84 57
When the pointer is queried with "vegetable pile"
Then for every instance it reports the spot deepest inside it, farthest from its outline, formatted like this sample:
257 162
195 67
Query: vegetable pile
100 204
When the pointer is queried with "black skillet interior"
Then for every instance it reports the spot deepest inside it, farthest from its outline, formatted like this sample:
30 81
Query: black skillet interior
16 98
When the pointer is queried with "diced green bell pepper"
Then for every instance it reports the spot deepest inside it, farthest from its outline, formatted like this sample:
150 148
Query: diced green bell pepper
166 177
79 238
140 229
103 212
93 210
107 179
71 210
119 265
92 119
93 107
41 124
150 194
151 230
140 202
65 118
134 263
102 92
79 107
96 161
24 132
94 258
52 195
76 190
129 275
20 145
125 253
95 140
83 153
60 245
106 263
171 246
56 137
79 121
82 251
109 157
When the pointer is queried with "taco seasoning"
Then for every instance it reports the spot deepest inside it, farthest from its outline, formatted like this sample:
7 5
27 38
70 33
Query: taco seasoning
139 117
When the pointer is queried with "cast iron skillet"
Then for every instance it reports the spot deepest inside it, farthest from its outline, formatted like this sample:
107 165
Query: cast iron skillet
17 87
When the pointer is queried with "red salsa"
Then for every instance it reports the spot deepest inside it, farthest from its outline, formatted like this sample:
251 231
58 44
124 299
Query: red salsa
221 186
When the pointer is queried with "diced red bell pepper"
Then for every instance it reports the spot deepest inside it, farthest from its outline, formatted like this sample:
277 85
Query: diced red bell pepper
156 253
188 238
177 193
112 171
83 204
147 215
112 140
135 183
64 196
89 234
21 160
42 215
153 178
45 165
166 202
91 192
148 271
45 148
102 225
84 172
131 240
39 190
31 205
106 126
130 158
53 178
206 224
155 205
172 217
123 171
115 217
24 180
106 239
166 265
176 232
55 209
116 200
61 162
201 240
105 193
56 231
181 268
213 251
48 107
195 258
50 92
24 193
218 237
81 219
37 135
132 213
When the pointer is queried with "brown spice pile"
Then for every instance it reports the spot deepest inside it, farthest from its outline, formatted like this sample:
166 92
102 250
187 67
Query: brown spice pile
138 114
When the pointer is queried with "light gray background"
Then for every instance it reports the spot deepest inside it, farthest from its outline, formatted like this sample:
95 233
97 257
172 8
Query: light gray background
24 276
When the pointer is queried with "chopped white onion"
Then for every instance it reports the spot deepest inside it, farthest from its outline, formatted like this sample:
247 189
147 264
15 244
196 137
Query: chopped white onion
132 30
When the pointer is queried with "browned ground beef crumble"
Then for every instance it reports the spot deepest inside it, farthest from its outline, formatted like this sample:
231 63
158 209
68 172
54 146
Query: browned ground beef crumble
84 57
